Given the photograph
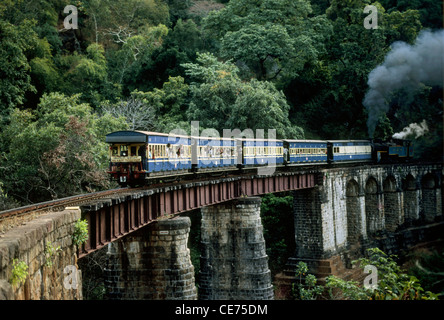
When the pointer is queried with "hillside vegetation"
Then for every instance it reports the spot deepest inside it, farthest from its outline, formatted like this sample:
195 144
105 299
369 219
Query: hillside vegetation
298 66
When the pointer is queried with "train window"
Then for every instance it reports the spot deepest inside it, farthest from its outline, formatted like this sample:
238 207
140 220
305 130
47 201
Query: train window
115 151
133 151
123 151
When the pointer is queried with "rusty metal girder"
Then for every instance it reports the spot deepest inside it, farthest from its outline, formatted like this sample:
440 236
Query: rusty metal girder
112 218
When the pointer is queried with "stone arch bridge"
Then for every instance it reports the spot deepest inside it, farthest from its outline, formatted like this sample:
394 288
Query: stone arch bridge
338 212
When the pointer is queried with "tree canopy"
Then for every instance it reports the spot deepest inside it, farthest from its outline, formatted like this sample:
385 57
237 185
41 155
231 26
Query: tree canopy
300 67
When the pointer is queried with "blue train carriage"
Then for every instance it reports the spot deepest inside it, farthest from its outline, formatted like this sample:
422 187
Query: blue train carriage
260 152
349 150
305 151
168 153
135 155
213 152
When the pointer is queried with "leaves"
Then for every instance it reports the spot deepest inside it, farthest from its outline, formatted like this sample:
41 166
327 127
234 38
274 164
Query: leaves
221 100
393 282
56 151
272 38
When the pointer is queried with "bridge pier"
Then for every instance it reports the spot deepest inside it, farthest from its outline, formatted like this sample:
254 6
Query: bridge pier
152 263
392 207
234 264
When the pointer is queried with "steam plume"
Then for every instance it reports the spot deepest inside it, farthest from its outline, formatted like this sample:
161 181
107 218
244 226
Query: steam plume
405 66
413 129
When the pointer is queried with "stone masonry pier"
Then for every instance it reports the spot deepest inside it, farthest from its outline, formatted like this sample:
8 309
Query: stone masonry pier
152 263
393 207
234 264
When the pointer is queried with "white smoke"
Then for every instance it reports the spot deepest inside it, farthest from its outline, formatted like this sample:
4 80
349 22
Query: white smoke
413 129
405 66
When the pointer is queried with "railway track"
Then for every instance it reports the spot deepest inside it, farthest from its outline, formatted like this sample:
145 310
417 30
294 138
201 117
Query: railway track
20 215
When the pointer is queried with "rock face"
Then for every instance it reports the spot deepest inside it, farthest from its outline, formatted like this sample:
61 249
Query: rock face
152 264
234 264
45 249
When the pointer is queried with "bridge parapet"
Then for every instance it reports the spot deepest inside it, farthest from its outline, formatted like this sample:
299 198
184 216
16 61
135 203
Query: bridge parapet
45 249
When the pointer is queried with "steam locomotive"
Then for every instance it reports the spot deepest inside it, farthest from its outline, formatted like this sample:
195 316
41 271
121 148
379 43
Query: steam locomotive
138 155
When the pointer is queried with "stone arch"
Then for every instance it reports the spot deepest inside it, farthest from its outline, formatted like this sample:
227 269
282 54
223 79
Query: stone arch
353 207
391 203
429 201
372 206
411 196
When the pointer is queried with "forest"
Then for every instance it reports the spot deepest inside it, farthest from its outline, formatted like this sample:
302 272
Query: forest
307 68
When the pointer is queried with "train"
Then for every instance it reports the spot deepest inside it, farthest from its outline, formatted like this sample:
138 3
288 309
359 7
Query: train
135 156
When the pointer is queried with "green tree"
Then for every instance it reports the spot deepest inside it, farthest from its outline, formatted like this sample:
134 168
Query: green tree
115 21
430 11
393 282
331 90
57 150
15 80
168 105
85 74
384 129
305 287
273 39
221 100
129 61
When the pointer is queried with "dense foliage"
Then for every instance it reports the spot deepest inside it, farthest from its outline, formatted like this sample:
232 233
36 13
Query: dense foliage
300 67
391 282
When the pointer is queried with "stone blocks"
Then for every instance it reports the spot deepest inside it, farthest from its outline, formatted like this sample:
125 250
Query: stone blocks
152 264
234 264
29 243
